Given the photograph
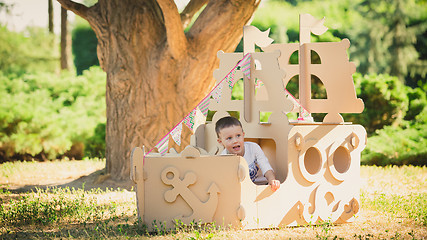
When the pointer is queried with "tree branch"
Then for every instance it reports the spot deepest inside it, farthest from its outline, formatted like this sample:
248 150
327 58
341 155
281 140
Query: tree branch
192 7
221 18
175 33
77 8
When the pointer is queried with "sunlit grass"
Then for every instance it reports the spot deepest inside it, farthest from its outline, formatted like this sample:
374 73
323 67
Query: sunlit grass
401 180
29 173
389 195
55 205
399 191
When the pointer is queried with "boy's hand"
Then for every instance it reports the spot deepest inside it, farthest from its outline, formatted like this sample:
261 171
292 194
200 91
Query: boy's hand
275 184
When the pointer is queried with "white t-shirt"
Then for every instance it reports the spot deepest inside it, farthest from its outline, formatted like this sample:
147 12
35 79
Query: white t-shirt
255 157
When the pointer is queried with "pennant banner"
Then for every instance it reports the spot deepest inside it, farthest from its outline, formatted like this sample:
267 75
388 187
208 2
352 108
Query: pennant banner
194 119
189 120
162 146
204 105
176 134
303 113
230 78
199 119
217 91
245 65
198 115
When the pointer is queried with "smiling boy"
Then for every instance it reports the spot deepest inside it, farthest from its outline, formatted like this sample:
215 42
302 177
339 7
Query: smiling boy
231 135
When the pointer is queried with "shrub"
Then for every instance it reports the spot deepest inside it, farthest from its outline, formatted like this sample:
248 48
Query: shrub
45 114
95 145
28 51
397 146
84 46
386 101
417 103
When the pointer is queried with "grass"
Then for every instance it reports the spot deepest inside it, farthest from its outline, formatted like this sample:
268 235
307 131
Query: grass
394 206
44 173
399 191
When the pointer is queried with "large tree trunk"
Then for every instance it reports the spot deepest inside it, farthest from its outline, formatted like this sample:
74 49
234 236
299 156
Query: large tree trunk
155 73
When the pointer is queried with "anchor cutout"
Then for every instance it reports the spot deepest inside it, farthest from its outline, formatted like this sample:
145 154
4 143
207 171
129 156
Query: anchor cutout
203 211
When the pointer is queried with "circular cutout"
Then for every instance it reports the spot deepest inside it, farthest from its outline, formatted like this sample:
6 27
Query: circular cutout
312 161
170 175
341 159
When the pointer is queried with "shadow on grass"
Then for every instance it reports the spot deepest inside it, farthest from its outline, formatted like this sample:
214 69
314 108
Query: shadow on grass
95 180
99 230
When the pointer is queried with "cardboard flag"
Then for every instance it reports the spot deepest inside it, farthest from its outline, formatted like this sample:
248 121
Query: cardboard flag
162 146
176 134
316 26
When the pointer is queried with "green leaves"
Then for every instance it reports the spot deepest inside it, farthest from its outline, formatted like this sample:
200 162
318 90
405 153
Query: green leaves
47 114
28 51
385 98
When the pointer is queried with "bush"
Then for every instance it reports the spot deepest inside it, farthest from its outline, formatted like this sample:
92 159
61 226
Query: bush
84 45
27 52
45 115
417 103
397 146
95 145
386 101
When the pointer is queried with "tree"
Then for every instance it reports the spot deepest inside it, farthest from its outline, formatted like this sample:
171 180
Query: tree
65 40
50 15
156 72
387 37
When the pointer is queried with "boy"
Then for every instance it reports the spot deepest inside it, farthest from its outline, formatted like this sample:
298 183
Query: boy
230 134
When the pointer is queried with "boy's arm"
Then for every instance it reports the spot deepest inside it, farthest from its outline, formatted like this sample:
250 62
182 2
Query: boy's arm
271 178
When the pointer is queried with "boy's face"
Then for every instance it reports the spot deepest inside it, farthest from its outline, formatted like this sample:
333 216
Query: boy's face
232 138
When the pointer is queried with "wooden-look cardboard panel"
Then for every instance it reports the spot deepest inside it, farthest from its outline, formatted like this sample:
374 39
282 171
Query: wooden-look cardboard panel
317 164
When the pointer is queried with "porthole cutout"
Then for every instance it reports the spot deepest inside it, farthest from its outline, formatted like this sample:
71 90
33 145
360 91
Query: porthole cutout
341 159
312 161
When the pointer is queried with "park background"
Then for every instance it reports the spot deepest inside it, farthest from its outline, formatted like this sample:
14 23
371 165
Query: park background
50 112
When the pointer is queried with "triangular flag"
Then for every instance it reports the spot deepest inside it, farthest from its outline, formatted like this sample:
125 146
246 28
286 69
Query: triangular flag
303 113
162 146
231 79
204 105
217 91
199 119
245 65
189 119
176 134
194 119
289 96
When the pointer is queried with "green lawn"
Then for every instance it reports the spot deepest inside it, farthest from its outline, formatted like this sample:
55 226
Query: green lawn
394 205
